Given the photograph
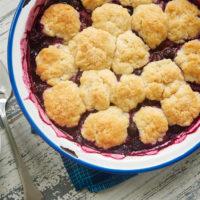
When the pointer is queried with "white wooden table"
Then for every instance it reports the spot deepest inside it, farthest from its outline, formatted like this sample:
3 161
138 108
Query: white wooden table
178 181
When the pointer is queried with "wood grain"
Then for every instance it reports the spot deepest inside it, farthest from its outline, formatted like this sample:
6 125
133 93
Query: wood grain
179 181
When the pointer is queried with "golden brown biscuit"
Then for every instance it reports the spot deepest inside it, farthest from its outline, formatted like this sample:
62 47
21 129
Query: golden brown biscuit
92 4
151 123
112 18
93 49
97 89
151 24
135 3
106 128
188 58
172 88
61 20
131 53
109 80
129 92
157 75
63 104
54 64
182 107
183 20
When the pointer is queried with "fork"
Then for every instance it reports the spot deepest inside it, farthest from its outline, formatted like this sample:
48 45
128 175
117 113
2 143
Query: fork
30 191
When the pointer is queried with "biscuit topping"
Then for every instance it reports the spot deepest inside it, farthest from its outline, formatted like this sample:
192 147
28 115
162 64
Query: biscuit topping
129 92
188 58
183 20
61 20
112 18
106 128
151 24
98 89
157 75
54 64
92 4
136 3
152 124
131 53
109 79
63 104
182 107
93 49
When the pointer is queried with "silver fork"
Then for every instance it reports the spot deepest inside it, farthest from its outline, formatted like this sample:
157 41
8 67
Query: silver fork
30 191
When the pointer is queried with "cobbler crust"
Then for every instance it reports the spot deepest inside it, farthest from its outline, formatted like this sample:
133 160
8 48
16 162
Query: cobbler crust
110 81
157 75
129 92
94 89
188 58
151 24
152 124
97 89
63 104
106 128
172 88
182 107
54 64
93 49
112 18
131 53
61 20
183 20
135 3
92 4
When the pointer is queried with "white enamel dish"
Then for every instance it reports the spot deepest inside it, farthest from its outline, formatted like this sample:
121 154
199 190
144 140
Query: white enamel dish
129 164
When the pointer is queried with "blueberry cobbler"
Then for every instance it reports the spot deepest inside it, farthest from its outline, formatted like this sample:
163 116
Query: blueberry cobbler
118 76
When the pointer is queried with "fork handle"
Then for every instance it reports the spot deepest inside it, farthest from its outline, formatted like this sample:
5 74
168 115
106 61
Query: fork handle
30 190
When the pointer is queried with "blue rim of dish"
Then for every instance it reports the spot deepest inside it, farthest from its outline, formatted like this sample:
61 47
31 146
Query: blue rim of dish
20 102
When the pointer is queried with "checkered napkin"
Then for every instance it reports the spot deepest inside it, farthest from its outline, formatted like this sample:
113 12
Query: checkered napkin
95 181
81 176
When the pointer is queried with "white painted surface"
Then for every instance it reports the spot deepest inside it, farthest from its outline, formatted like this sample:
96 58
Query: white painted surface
179 181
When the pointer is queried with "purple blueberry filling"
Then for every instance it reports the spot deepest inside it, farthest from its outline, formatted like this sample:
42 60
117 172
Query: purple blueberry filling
166 50
38 40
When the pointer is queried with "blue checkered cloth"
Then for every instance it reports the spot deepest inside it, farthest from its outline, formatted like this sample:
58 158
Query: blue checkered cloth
83 177
94 180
